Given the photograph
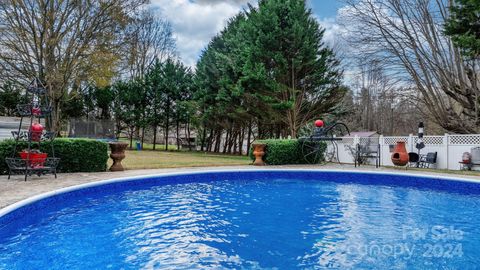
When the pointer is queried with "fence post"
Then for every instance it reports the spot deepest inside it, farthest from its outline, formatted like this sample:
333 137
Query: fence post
410 142
356 141
445 151
381 142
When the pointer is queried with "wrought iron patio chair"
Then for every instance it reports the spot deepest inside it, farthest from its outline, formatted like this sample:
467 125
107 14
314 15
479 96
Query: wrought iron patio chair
368 151
428 160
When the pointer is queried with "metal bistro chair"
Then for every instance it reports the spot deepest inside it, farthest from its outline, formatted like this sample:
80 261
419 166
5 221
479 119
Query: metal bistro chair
427 160
368 151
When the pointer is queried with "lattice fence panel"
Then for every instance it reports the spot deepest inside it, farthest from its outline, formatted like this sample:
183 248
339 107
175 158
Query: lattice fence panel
430 140
394 140
347 140
347 143
464 139
369 140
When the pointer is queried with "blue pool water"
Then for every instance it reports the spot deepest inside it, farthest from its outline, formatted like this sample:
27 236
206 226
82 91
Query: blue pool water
243 220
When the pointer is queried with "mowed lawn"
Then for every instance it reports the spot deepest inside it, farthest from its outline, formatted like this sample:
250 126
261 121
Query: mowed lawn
174 159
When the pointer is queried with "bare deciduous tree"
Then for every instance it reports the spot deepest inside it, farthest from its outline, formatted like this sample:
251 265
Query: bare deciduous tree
59 41
407 36
378 103
148 38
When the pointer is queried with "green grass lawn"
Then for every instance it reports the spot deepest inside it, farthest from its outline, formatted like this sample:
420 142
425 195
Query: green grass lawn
174 159
149 146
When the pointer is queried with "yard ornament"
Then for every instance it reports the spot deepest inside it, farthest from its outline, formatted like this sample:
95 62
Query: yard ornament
319 123
36 131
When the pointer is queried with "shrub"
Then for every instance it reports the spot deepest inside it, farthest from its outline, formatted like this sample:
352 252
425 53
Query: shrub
76 155
283 152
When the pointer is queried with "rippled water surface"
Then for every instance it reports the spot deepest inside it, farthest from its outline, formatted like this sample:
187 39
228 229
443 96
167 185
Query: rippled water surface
282 223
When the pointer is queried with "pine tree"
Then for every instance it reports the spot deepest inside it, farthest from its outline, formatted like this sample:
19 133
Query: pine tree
464 26
288 63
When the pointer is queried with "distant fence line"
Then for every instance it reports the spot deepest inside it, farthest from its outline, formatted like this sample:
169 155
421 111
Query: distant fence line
449 147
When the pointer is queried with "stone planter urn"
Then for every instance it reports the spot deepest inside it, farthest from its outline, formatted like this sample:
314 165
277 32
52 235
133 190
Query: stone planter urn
258 152
400 155
117 154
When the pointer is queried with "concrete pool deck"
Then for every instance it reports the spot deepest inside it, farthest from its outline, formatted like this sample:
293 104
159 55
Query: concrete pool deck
16 189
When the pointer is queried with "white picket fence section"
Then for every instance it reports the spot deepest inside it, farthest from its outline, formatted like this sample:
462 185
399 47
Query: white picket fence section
449 148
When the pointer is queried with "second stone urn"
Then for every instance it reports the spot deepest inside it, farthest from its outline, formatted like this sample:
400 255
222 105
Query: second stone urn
258 152
400 155
117 154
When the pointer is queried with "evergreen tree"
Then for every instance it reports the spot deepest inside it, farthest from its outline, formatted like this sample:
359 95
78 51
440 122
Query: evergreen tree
269 66
153 83
464 26
129 106
168 84
285 55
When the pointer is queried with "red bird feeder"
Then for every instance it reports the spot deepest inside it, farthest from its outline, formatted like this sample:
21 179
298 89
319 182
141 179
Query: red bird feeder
319 123
36 131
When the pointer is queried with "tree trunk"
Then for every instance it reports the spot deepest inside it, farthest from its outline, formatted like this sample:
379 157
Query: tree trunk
241 138
118 129
55 121
167 115
225 143
143 136
188 137
249 136
203 138
154 137
178 134
218 140
131 137
210 141
234 142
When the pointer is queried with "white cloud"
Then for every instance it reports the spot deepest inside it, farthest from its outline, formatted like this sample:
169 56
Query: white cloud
336 37
214 2
332 30
195 23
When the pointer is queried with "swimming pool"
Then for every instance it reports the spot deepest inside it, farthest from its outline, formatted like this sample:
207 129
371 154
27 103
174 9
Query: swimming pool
283 219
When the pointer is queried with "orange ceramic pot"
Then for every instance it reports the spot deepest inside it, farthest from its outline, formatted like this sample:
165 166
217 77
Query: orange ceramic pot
400 155
258 152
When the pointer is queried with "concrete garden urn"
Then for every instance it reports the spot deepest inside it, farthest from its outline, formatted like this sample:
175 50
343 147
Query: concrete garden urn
258 152
117 154
400 155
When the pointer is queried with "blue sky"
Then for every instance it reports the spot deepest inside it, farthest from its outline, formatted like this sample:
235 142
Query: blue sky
195 22
325 8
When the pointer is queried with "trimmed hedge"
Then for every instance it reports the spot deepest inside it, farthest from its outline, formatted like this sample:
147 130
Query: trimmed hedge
284 152
76 155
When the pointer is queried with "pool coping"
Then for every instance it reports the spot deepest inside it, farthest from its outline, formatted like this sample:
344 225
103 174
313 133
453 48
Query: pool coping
30 200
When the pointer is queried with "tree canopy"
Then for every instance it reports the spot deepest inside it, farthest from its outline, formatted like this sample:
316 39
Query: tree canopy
269 65
70 45
464 26
265 75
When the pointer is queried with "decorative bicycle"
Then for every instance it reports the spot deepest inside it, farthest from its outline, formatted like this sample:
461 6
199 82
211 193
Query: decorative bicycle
313 149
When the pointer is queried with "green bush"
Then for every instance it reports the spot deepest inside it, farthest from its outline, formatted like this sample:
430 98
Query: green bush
76 155
283 152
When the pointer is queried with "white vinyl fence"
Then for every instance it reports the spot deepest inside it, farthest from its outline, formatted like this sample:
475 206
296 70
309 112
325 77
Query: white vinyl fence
449 148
